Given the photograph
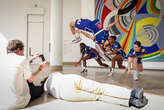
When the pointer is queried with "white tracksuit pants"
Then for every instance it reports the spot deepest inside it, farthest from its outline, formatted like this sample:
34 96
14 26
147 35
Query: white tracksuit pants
76 88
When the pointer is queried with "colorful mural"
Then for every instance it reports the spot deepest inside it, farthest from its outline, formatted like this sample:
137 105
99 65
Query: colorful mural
136 20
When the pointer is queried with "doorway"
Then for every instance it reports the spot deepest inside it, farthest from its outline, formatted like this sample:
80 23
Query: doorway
35 35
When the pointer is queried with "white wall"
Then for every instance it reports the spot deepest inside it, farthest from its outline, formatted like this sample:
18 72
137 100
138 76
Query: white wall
13 22
71 11
13 19
87 11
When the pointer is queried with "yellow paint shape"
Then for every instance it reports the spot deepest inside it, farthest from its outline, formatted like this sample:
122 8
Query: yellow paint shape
147 21
144 38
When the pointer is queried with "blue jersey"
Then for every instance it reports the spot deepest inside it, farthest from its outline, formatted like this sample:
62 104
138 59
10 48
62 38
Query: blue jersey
88 25
132 53
87 50
93 27
102 37
120 50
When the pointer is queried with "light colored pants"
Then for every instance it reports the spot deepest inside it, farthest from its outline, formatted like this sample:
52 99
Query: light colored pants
76 88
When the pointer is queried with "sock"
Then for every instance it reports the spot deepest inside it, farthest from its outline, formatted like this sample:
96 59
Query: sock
135 75
83 67
77 35
112 70
138 72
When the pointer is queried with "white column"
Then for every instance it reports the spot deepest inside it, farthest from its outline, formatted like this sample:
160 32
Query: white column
56 35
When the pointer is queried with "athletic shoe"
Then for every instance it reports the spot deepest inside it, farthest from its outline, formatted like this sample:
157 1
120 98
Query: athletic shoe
137 93
111 73
76 38
135 76
84 71
126 70
139 73
138 103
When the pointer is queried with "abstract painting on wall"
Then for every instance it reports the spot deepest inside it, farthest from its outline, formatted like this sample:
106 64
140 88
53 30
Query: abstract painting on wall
141 20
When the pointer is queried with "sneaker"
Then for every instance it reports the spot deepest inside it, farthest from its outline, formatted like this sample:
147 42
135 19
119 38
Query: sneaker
137 93
135 76
111 73
126 70
139 73
76 38
84 71
138 103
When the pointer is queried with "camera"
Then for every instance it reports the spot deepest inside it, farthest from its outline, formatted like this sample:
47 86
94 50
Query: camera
42 57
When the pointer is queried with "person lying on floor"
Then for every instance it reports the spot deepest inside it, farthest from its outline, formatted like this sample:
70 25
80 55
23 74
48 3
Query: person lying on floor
89 53
72 87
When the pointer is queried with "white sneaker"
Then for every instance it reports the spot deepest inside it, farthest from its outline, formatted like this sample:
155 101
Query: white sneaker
135 76
139 73
111 73
76 38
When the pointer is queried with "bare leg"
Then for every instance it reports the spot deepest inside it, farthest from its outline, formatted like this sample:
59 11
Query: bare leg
140 67
113 61
135 65
88 35
117 58
86 58
72 27
100 63
130 61
119 62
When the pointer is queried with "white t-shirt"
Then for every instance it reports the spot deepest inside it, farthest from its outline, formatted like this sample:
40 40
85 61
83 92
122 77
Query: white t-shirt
3 44
14 90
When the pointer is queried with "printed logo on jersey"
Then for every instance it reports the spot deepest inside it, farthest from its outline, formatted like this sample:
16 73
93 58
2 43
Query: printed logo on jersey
102 41
79 21
143 50
99 26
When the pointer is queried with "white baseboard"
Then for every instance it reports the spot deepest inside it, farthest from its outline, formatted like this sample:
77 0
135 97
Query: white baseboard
146 65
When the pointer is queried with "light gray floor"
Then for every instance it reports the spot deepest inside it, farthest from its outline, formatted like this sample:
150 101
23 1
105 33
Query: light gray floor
152 82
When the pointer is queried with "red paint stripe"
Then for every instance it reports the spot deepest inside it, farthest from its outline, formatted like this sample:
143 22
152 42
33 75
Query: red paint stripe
105 12
138 5
125 42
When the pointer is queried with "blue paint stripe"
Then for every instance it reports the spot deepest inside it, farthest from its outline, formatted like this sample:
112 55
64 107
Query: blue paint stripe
99 6
100 14
100 10
96 3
